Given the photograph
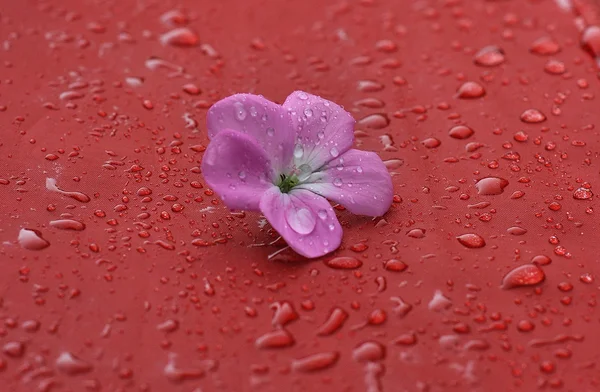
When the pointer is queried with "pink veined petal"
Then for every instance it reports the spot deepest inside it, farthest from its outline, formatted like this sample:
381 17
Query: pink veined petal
237 169
324 130
268 123
305 220
358 180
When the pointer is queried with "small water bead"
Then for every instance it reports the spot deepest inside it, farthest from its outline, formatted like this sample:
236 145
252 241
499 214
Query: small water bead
308 112
541 260
522 276
470 90
334 152
582 194
242 175
303 96
516 230
439 302
525 326
460 132
337 182
240 111
491 186
555 67
372 103
395 265
270 131
322 214
369 86
471 240
533 116
489 56
32 239
416 233
544 46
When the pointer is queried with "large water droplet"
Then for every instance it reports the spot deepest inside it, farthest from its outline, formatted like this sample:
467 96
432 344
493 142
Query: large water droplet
278 338
337 182
544 46
301 220
67 224
334 322
471 240
374 121
369 352
491 186
460 132
582 194
71 365
315 362
334 152
524 275
32 239
298 151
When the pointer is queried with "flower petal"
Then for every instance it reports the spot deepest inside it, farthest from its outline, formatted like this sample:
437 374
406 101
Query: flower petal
306 221
238 169
268 123
324 130
358 180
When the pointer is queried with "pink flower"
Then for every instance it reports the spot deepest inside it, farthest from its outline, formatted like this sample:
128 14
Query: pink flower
287 160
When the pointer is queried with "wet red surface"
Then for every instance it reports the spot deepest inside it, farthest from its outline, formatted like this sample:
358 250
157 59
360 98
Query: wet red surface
121 271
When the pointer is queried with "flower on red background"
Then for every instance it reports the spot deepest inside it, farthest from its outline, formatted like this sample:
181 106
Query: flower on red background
287 160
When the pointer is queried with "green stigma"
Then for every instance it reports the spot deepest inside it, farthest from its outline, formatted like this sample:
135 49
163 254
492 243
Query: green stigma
286 183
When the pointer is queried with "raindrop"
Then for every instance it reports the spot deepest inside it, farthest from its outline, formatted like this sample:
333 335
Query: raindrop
431 142
470 90
315 362
334 152
369 352
524 275
343 262
278 338
369 86
439 302
334 322
240 112
532 116
301 220
298 151
67 224
270 131
460 132
471 240
337 182
491 186
374 121
582 194
81 197
544 46
489 56
181 37
32 239
71 365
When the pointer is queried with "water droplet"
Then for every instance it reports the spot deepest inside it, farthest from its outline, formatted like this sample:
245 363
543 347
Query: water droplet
471 240
582 194
240 111
81 197
308 112
544 46
337 182
369 352
270 131
301 220
416 233
374 121
242 175
395 265
555 67
460 132
284 313
278 338
343 262
334 322
176 374
590 41
431 142
533 116
369 86
13 349
489 56
67 224
393 164
72 365
315 362
32 239
516 230
439 302
541 260
470 90
322 214
303 96
298 151
524 275
334 152
181 37
491 186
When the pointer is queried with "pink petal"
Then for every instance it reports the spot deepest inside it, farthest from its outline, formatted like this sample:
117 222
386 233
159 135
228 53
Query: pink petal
324 130
358 180
268 123
238 169
306 221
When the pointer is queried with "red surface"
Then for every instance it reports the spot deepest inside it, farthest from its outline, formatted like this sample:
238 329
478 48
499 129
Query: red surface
161 292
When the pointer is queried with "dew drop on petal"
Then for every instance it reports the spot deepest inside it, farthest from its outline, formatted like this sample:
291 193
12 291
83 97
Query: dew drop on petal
308 112
240 112
242 175
301 220
298 151
334 152
320 134
303 96
322 214
337 182
270 131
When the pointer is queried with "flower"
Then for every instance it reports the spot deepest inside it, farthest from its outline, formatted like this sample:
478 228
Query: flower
287 160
